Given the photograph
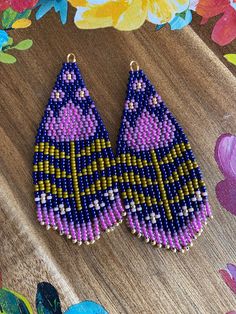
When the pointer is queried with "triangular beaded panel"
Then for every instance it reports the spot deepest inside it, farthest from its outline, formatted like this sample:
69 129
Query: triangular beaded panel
74 169
162 186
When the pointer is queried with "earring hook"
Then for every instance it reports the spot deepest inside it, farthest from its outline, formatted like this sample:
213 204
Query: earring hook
71 55
134 64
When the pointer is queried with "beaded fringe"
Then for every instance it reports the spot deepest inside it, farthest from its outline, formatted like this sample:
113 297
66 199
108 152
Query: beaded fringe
163 190
74 169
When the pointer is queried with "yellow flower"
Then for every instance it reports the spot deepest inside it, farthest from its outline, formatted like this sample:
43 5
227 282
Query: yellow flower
125 14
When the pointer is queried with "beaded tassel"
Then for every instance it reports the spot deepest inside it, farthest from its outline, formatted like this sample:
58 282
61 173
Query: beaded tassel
74 169
163 190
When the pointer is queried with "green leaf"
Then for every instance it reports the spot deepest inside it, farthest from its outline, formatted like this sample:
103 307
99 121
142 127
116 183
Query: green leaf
13 302
9 43
10 16
182 14
231 57
24 44
6 58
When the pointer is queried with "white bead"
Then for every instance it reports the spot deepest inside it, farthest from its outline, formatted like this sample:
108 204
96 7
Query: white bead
102 204
49 197
96 202
68 209
55 209
37 199
61 206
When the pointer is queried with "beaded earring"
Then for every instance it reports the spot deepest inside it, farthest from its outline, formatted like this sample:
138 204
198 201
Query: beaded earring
74 169
161 184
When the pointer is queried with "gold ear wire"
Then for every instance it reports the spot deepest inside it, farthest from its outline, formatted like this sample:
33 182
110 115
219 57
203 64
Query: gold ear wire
134 64
69 56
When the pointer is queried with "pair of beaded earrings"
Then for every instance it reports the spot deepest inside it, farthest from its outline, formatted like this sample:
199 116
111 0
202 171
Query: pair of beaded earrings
77 178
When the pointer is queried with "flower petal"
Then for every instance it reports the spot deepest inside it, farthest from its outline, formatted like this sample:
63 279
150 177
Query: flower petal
225 155
133 17
179 22
210 8
119 14
231 283
225 192
232 270
86 307
225 29
163 11
78 3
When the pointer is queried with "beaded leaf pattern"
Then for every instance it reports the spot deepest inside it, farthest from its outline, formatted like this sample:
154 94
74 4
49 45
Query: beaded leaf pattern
164 193
74 168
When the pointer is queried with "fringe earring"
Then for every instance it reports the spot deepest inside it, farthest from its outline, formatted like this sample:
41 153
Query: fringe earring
163 190
74 169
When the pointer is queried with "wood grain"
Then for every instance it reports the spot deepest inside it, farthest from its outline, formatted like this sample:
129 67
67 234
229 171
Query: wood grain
120 271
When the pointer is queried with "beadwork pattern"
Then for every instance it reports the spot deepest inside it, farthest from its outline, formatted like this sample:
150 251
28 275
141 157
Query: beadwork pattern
163 190
74 169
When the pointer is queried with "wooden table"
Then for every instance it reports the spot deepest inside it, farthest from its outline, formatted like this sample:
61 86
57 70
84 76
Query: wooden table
119 271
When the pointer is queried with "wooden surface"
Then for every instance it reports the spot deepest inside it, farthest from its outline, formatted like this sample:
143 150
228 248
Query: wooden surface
119 271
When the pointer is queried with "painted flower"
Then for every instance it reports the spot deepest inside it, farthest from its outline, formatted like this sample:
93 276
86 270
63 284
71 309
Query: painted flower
225 156
225 28
60 6
125 14
69 77
229 277
3 38
17 5
47 302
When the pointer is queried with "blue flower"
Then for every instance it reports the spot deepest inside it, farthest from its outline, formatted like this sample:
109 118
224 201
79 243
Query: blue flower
3 38
60 6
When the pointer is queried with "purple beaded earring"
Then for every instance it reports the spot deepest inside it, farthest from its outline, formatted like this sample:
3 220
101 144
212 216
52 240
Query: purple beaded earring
74 169
164 194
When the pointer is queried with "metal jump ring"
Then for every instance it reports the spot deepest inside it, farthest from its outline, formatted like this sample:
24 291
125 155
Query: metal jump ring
69 56
132 63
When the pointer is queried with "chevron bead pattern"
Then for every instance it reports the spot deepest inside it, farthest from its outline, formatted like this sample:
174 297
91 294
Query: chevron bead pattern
74 169
162 186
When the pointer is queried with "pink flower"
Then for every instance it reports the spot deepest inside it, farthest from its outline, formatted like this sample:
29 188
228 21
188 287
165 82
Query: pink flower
17 5
229 276
225 156
225 28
